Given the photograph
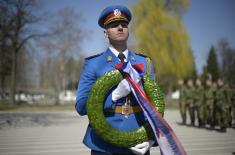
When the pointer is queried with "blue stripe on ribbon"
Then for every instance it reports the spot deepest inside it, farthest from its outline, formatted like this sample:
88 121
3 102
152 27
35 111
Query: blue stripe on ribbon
168 142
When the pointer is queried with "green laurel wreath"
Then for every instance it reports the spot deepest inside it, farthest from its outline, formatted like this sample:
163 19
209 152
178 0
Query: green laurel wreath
98 121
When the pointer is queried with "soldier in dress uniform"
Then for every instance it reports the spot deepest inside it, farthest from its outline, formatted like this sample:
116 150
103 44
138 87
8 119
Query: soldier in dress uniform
121 109
182 100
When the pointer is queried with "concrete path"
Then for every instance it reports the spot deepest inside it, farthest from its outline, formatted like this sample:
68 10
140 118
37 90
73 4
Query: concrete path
61 133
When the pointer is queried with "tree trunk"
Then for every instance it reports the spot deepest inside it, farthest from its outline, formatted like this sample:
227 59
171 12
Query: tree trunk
170 86
13 78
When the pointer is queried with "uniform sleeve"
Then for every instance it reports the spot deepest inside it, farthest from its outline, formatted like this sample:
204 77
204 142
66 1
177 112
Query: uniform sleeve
87 79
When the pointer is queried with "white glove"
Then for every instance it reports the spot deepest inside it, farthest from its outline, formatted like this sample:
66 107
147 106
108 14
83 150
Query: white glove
122 90
141 149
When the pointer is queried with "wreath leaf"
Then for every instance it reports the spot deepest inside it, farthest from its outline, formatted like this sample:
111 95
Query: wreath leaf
98 121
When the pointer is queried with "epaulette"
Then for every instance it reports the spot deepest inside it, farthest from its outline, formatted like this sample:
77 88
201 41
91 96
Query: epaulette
143 55
93 56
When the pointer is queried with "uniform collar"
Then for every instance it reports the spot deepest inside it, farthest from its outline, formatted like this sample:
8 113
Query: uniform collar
131 57
115 52
112 59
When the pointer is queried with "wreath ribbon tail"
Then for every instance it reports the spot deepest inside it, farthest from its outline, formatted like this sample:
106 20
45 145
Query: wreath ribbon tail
168 142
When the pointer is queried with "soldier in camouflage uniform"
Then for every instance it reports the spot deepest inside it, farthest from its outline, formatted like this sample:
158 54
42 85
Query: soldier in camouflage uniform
209 103
182 102
214 88
222 106
233 104
190 101
230 104
199 102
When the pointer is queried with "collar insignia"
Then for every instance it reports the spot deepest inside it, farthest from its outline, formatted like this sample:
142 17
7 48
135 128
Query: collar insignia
132 58
109 58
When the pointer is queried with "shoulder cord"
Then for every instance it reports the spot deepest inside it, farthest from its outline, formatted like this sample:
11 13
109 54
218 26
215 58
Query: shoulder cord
148 66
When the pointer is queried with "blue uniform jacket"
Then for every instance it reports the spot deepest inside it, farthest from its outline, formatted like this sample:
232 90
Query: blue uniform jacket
93 68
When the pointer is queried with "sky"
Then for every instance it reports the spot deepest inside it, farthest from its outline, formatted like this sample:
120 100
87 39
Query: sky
207 21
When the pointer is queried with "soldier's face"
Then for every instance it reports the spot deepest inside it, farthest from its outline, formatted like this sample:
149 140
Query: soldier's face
208 83
190 83
198 82
117 31
220 82
180 82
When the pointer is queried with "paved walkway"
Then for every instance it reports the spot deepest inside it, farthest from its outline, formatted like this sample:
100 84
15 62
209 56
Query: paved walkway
61 133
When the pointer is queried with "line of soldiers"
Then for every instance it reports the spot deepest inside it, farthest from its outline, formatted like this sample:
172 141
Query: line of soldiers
213 104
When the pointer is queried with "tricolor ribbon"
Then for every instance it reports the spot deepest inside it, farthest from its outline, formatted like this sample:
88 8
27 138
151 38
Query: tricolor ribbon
167 140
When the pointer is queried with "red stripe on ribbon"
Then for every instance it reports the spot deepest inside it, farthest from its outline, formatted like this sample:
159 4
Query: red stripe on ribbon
139 67
181 149
140 92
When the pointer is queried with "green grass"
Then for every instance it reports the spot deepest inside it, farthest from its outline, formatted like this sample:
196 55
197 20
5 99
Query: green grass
170 104
38 107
